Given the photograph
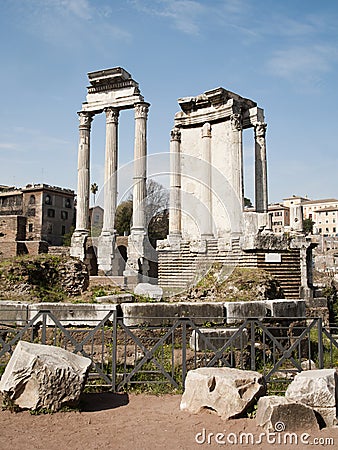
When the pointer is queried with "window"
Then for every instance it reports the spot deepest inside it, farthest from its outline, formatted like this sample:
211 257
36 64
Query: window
31 212
30 227
49 228
68 203
334 229
48 200
32 200
63 230
64 215
51 212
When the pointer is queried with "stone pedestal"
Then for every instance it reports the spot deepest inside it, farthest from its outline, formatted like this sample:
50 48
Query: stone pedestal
105 253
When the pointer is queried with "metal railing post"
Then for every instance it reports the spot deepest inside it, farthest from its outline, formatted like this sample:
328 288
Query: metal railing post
320 343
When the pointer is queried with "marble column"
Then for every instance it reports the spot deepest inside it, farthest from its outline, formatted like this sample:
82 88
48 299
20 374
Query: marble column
79 237
140 166
83 181
206 193
106 244
261 181
110 173
237 157
136 242
175 231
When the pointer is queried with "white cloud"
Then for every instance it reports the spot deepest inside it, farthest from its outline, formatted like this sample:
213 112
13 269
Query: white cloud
185 14
7 146
305 62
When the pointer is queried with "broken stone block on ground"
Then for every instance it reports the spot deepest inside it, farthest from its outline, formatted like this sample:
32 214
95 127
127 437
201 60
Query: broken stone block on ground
229 392
149 290
276 413
319 390
43 376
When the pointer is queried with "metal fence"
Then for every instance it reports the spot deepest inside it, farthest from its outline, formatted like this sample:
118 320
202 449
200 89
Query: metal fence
159 352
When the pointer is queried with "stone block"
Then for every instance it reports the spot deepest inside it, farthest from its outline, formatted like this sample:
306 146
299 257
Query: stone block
239 311
13 313
218 337
43 376
149 290
286 308
275 413
115 298
317 389
229 392
88 314
157 314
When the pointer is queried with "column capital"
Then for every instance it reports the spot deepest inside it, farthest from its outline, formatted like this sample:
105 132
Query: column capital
175 134
236 122
260 129
206 130
112 115
141 110
85 119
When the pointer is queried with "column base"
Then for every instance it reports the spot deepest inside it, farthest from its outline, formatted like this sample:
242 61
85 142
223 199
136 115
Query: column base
105 251
78 244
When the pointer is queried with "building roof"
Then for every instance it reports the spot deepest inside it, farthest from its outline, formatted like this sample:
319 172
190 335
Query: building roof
324 200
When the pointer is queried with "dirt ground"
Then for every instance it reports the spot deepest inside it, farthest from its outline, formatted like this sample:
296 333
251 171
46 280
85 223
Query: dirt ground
141 422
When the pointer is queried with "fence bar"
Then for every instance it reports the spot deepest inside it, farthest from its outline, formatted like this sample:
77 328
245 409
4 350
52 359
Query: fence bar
320 343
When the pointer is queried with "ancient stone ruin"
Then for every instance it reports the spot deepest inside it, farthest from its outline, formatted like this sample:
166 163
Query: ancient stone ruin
207 220
112 91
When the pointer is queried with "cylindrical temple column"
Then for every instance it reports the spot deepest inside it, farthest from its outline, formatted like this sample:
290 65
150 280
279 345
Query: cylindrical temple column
261 181
110 172
83 172
175 184
237 157
206 197
140 165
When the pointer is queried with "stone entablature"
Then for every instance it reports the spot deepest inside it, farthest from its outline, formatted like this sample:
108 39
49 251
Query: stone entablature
217 104
111 87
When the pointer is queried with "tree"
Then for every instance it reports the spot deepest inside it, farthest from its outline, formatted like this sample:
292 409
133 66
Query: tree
308 226
247 203
94 188
123 217
156 211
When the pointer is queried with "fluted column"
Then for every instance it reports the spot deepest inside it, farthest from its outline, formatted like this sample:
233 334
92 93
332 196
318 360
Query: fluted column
140 168
206 195
175 184
83 180
110 172
261 181
237 157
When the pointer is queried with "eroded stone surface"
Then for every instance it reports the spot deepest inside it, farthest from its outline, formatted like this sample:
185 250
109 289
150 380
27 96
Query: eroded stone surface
316 388
229 392
275 413
149 290
43 376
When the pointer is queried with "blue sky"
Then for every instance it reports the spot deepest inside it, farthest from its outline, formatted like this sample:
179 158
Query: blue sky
281 54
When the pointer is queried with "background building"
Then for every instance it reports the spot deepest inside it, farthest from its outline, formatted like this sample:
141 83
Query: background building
49 210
